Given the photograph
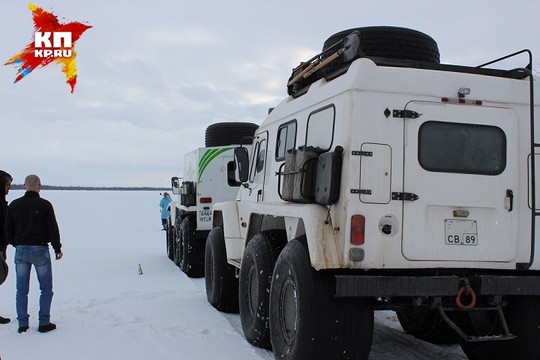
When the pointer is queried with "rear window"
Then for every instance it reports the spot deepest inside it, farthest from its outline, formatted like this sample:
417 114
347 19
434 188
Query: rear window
462 148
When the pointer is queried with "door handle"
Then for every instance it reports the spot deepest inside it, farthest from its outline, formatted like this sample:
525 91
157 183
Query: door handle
509 200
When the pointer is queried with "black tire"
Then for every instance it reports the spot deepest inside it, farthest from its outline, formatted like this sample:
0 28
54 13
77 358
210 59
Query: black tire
377 42
220 280
523 319
426 324
228 133
169 238
177 242
258 263
307 321
393 43
192 261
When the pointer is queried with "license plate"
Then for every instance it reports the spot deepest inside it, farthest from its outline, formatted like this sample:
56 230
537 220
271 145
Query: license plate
205 215
460 232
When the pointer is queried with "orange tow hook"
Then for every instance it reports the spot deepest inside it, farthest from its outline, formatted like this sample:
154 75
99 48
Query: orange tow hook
468 291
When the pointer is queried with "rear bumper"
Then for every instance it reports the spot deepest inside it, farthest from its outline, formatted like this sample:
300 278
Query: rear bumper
388 286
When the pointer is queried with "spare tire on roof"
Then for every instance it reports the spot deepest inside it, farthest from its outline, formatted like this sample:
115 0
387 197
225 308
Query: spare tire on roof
388 42
228 133
392 42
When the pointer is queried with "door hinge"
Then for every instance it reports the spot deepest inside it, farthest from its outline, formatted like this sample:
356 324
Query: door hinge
404 196
361 191
405 114
361 153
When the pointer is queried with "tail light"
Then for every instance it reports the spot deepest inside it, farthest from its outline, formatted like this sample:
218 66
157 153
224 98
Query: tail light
205 200
358 229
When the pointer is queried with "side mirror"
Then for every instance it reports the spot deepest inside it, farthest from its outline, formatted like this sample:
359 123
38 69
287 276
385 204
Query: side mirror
175 184
241 158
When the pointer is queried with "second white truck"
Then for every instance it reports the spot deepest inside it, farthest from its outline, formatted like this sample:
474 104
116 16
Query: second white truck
208 178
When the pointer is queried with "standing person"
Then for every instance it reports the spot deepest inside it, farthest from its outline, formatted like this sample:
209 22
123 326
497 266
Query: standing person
5 185
30 226
164 206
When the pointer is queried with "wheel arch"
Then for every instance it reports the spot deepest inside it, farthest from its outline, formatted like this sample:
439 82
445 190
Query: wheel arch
311 225
263 222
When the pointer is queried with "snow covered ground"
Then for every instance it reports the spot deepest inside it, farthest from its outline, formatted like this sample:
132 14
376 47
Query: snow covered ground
105 310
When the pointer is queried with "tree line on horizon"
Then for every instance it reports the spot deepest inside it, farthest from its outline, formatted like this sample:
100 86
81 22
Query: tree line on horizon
94 188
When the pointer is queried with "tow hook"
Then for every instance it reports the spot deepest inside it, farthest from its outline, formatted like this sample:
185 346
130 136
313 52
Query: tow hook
466 291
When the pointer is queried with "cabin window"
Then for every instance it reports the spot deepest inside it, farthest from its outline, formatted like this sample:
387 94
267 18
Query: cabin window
320 128
231 174
261 156
286 139
257 164
462 148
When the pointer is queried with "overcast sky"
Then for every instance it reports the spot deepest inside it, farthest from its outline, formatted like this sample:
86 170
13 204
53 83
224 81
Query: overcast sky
152 75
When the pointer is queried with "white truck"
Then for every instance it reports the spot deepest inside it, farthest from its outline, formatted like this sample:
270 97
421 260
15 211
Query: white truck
208 177
387 180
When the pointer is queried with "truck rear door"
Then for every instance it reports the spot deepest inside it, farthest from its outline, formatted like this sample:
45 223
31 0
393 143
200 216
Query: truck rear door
459 182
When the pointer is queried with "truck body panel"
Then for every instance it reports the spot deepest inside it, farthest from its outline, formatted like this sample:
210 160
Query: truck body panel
355 105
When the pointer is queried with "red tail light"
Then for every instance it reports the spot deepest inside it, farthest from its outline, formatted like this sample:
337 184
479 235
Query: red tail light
205 200
358 229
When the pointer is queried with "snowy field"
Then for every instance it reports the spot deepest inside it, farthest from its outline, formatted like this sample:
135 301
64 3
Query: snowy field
105 310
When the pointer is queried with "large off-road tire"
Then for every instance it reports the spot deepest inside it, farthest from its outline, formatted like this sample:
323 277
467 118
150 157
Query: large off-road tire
220 280
258 263
392 43
426 324
388 42
523 319
192 262
228 133
306 321
169 238
177 242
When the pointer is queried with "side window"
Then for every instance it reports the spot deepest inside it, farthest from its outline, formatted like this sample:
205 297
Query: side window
286 139
257 164
462 148
261 157
320 128
231 179
254 162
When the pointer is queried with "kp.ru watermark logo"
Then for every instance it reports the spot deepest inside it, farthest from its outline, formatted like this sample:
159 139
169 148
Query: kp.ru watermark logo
61 45
53 42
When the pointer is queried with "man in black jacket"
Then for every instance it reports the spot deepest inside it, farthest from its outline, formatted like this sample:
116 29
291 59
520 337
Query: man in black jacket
5 185
30 226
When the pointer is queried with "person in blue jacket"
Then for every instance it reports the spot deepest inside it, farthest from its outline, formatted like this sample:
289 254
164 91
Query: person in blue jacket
164 208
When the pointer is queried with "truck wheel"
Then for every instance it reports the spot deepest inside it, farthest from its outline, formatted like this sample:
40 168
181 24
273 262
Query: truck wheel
307 321
523 319
228 133
258 263
220 280
169 237
192 249
177 242
426 324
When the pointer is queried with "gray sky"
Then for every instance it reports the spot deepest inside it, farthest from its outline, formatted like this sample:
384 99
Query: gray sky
152 75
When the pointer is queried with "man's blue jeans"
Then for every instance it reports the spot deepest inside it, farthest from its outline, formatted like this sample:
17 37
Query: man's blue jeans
25 257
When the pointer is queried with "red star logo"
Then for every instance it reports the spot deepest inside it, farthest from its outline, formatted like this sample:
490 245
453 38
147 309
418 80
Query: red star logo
47 25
